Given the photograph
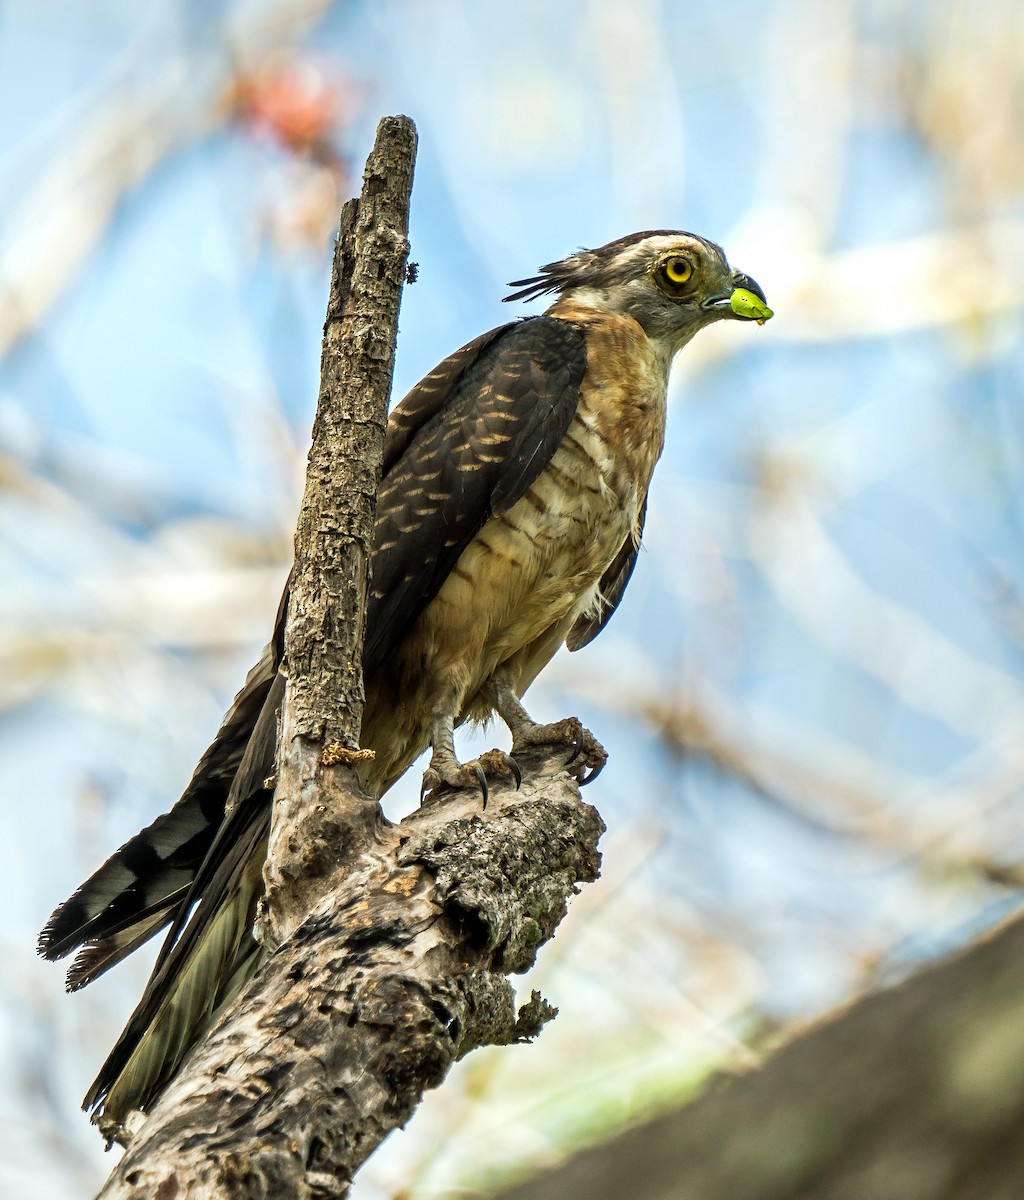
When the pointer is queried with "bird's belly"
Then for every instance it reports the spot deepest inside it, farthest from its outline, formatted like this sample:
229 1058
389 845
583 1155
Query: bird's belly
538 566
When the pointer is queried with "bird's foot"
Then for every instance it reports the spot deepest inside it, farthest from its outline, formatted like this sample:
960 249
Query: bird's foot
442 776
587 756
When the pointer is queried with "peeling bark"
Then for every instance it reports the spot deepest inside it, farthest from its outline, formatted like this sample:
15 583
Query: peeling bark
324 635
397 973
320 813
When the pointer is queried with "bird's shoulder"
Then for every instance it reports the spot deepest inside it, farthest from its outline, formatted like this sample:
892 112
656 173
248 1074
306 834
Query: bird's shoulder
534 354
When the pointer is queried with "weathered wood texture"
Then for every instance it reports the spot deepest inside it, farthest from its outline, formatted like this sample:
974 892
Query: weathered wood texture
320 814
915 1093
395 975
324 636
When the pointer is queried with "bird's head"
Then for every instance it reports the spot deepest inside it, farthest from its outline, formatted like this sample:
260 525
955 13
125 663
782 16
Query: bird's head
672 283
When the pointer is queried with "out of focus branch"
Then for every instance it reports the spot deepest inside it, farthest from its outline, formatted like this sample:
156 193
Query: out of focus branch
916 1093
113 145
825 780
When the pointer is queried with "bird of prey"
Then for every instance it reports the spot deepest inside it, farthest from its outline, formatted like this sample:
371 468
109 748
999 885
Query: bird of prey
510 512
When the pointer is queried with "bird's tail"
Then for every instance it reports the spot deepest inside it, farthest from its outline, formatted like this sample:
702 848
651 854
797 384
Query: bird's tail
197 974
142 887
209 951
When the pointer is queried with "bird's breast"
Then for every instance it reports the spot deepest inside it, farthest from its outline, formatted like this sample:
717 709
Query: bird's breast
547 554
622 396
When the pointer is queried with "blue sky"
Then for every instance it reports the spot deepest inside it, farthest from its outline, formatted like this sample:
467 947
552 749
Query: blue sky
831 586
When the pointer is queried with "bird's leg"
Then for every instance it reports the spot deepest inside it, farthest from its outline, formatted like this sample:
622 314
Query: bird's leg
588 755
445 770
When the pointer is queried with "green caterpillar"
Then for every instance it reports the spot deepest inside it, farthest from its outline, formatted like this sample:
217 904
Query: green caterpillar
746 304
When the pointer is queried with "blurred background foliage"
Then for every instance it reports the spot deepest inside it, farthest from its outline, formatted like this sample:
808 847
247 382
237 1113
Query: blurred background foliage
813 694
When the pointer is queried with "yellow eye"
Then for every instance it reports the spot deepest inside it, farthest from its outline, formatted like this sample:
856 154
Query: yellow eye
678 270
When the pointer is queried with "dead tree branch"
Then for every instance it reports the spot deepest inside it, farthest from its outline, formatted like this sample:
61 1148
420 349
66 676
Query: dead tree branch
397 973
390 944
318 806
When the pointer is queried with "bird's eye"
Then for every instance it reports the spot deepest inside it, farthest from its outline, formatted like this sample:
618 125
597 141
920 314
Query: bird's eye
677 270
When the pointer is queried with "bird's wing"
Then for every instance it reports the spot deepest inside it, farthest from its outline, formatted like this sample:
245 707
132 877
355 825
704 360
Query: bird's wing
430 396
613 585
464 445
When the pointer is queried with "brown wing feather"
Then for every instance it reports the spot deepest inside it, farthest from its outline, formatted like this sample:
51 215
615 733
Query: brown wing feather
430 395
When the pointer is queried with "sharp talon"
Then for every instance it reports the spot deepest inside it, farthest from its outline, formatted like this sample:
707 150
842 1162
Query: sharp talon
481 778
424 787
516 773
593 774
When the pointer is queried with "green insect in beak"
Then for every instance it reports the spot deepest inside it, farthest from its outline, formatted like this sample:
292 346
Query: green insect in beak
746 304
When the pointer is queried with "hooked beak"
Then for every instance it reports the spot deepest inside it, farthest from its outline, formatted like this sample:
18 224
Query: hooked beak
745 302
